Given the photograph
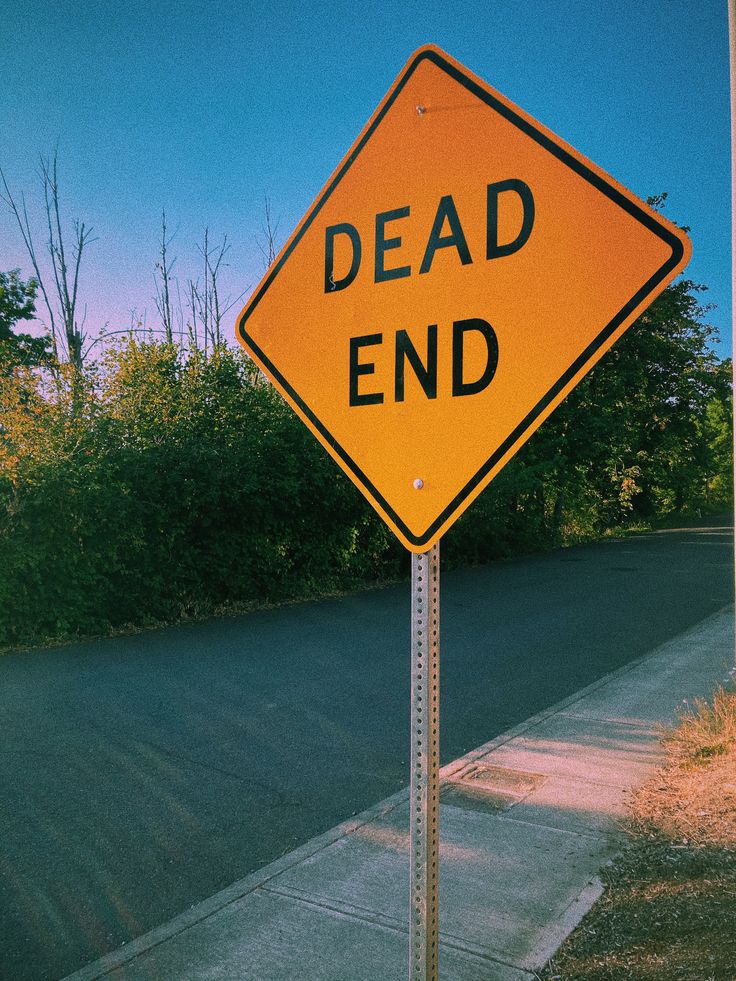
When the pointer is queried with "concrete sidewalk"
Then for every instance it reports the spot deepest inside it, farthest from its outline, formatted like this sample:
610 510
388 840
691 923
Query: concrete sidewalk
527 821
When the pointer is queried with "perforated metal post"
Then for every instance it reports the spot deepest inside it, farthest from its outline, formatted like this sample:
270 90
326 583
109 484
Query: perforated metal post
425 763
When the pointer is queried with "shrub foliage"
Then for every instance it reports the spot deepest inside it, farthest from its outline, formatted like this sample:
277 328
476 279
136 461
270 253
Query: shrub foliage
160 483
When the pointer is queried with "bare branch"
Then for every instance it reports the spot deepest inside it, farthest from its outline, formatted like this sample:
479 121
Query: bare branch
66 282
211 308
164 267
179 309
193 303
24 226
83 236
52 246
267 246
125 330
231 303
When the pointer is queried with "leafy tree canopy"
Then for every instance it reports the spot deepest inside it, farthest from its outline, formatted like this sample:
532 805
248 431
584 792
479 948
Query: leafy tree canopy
17 303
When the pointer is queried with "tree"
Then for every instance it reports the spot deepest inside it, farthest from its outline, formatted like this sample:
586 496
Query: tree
61 296
163 269
635 435
205 303
266 242
17 303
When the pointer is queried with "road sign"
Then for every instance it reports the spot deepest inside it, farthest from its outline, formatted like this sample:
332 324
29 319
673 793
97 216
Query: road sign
459 273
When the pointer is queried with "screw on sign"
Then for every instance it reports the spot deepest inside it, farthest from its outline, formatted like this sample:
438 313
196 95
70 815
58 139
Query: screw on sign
457 276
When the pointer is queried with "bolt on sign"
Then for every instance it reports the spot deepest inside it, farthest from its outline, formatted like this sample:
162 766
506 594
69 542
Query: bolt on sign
457 276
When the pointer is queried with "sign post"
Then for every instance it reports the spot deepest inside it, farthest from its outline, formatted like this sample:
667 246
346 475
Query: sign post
424 827
732 79
459 273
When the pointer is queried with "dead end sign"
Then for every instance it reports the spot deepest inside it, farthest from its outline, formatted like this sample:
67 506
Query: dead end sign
459 273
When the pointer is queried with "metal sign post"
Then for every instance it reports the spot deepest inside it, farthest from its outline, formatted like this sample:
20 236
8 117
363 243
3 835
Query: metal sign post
732 63
425 766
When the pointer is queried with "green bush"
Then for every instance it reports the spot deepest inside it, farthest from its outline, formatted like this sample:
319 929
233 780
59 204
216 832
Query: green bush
160 483
176 484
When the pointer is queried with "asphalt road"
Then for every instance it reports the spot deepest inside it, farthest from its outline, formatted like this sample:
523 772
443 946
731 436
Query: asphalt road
142 774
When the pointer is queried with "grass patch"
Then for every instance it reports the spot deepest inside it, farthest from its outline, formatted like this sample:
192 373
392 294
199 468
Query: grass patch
669 909
705 731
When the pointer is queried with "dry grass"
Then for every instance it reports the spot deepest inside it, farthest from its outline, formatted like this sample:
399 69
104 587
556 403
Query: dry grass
669 909
705 731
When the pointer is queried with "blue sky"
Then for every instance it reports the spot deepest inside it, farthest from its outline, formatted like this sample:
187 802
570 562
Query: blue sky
202 109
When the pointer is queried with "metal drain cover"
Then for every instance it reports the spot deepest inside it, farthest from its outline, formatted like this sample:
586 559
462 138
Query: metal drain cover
514 783
489 788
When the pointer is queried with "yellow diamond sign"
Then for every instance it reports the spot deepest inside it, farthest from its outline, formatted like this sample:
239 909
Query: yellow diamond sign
459 273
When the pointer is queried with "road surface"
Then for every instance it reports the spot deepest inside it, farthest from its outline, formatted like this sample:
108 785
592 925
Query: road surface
142 774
